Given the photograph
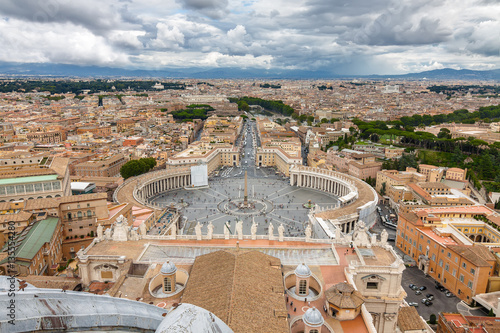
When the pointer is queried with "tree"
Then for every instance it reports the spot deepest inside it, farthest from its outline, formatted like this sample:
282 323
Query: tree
374 137
432 319
310 119
137 167
382 189
444 133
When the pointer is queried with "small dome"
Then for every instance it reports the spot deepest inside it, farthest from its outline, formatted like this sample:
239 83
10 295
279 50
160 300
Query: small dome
313 318
168 268
190 318
303 271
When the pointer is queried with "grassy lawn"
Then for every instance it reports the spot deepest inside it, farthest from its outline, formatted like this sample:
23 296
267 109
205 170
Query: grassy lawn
434 157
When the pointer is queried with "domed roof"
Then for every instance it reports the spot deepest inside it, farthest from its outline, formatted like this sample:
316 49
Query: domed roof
190 318
302 270
313 318
168 268
344 296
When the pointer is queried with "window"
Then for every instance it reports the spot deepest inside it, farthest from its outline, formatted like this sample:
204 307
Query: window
449 255
454 272
456 259
167 284
464 265
302 287
433 257
446 267
372 285
89 213
461 278
420 247
315 330
472 271
469 284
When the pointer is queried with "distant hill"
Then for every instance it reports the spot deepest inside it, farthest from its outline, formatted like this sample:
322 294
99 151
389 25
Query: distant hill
61 70
447 74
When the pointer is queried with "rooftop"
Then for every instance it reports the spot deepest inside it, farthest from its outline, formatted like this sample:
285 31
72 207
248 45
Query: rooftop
31 179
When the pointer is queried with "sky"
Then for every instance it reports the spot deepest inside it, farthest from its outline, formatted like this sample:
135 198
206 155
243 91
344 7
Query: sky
339 36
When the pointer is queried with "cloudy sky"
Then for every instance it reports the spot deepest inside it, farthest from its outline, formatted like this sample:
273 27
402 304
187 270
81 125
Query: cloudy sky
342 36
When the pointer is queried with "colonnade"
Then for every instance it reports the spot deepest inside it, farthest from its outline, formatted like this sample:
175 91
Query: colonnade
163 183
320 182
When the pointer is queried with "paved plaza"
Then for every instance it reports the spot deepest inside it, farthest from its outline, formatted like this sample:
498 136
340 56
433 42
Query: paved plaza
273 201
271 198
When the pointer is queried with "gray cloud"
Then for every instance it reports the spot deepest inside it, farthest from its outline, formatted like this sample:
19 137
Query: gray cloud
342 35
214 9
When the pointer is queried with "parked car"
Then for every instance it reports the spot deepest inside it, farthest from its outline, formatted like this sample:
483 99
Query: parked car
441 288
418 292
412 286
422 288
424 300
438 285
449 294
428 303
430 296
415 304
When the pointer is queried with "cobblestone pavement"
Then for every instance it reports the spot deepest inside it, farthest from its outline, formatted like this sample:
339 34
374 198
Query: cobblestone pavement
286 204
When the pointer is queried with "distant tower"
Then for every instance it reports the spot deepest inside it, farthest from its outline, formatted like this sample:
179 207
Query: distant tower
245 200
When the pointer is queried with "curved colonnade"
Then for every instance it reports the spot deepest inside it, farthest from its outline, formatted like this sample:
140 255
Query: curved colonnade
357 199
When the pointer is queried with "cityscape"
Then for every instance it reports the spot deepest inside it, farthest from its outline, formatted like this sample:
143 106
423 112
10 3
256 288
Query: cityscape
249 166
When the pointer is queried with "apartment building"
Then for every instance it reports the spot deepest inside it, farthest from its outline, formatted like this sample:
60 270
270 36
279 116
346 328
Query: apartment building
35 182
447 243
38 249
432 173
105 167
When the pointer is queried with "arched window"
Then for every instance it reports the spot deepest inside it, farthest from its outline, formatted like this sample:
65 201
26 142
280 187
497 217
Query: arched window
313 331
167 284
69 216
89 213
79 214
302 287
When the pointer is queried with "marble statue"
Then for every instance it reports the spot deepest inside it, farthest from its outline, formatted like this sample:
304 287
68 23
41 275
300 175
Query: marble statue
338 235
239 229
373 240
173 230
134 235
253 230
197 230
226 230
281 229
107 234
383 237
120 229
308 233
360 234
210 230
100 232
271 230
142 229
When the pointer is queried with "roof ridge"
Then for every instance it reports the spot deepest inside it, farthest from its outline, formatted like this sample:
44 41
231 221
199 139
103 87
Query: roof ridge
231 297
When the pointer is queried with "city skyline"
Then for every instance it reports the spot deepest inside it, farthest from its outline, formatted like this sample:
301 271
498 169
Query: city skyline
346 38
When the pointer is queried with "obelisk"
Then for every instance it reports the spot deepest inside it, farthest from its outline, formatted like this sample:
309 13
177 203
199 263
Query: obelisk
245 200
